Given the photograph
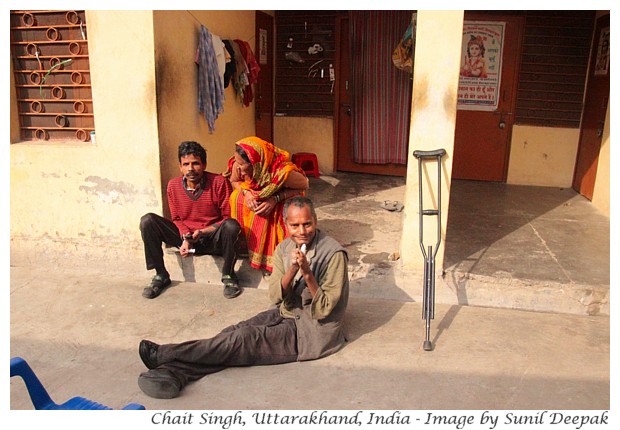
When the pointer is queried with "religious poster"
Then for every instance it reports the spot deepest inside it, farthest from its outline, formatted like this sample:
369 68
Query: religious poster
602 54
262 46
481 65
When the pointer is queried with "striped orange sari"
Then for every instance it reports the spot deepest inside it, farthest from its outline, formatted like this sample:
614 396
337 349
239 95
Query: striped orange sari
271 166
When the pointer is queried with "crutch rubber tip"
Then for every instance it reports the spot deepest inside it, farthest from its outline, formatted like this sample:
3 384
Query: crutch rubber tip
428 346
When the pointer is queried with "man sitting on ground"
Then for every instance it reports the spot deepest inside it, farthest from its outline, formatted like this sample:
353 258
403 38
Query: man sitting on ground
309 285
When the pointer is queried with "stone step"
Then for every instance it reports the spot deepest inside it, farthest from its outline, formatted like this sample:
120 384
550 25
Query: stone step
208 268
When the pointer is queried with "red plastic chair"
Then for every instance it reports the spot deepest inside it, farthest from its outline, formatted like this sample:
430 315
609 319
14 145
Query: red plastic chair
42 400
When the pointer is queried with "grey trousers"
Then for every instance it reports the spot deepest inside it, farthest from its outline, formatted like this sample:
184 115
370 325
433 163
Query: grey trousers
266 338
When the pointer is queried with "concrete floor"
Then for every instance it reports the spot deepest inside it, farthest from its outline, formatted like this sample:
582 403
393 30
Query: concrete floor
519 247
509 251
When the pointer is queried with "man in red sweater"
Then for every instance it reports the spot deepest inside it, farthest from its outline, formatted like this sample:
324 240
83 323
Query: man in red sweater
200 210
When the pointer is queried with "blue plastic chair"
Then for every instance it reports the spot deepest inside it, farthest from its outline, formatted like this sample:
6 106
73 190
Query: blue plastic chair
41 399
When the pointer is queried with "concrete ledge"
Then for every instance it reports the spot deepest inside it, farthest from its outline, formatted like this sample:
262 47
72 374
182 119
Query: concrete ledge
531 295
207 269
457 288
380 280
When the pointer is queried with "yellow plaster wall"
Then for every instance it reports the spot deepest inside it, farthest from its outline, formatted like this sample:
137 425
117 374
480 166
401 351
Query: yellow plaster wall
72 192
542 156
301 134
176 41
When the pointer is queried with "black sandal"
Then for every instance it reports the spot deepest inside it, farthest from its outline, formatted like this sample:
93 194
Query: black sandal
231 286
158 285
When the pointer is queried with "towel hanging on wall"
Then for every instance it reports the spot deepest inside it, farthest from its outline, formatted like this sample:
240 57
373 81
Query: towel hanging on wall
210 86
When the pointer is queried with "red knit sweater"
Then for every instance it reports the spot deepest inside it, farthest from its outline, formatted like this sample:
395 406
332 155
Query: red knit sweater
208 206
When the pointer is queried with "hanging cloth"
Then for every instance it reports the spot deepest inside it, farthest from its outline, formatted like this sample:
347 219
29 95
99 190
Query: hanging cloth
220 55
230 69
253 69
402 57
210 86
240 78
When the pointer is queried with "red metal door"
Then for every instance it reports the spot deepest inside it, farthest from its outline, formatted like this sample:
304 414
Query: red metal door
595 110
482 138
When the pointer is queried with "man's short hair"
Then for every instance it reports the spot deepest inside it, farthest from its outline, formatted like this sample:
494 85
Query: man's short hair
189 147
300 202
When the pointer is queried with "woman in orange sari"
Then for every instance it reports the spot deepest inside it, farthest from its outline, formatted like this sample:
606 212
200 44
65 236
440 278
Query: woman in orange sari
263 177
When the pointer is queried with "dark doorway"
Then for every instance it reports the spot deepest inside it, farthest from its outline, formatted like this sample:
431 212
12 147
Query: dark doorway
264 86
595 110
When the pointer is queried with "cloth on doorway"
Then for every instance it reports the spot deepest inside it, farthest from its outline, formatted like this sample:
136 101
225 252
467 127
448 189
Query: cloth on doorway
381 94
210 84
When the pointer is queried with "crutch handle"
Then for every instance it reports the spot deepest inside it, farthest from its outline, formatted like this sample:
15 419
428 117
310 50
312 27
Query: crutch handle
429 154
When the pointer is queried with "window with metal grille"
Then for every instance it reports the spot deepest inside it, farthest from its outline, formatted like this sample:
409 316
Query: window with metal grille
554 65
49 49
305 49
